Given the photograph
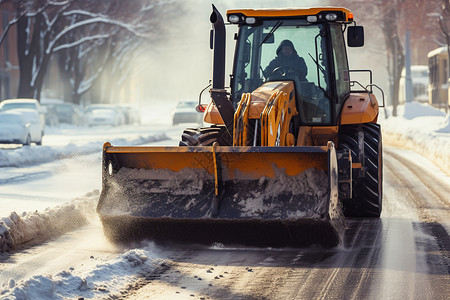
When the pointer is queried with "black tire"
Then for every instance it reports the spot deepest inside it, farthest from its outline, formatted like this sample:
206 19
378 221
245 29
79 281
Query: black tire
28 141
367 190
205 136
39 143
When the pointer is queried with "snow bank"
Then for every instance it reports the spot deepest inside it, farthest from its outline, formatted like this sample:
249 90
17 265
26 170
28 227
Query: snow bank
35 227
421 128
110 279
34 155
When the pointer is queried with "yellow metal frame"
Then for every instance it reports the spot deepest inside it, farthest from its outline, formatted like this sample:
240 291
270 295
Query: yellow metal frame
274 118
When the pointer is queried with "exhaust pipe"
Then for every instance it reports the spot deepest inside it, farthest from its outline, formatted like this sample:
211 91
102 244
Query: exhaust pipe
219 49
218 92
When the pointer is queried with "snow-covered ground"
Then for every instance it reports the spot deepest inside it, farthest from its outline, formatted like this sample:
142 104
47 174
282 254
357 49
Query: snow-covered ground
420 128
417 127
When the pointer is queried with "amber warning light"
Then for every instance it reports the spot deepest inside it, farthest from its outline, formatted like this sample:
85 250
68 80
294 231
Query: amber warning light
200 108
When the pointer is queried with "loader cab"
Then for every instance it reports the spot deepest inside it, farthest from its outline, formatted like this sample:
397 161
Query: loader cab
320 44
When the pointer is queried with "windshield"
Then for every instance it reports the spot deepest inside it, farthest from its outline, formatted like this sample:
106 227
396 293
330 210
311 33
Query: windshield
9 106
285 50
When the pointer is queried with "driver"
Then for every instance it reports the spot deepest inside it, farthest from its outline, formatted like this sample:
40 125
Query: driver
287 59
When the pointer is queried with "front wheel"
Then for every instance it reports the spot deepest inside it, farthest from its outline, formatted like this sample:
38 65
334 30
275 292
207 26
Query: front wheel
367 185
205 136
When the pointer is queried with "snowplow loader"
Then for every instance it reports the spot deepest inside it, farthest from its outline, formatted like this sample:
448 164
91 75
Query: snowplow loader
289 153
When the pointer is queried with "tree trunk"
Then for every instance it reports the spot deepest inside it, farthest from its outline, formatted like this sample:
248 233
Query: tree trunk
33 59
394 47
25 65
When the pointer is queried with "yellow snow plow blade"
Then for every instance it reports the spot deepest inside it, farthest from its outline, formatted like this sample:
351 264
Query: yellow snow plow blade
263 196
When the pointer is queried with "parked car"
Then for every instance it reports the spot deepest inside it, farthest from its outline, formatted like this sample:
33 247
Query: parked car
14 129
131 114
103 114
33 113
68 113
51 116
185 112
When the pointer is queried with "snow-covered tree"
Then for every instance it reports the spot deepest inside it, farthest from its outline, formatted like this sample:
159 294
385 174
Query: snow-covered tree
89 34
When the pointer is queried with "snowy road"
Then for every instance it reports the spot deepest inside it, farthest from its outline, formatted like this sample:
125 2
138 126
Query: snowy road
403 255
400 256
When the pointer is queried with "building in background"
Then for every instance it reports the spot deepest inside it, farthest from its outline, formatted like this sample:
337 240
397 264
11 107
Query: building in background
438 85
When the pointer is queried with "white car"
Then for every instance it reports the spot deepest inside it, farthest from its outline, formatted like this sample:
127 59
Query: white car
185 112
14 129
103 115
27 104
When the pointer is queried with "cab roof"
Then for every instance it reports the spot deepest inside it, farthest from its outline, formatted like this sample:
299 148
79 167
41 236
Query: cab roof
291 12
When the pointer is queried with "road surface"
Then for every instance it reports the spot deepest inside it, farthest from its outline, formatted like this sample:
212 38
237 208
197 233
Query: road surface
403 255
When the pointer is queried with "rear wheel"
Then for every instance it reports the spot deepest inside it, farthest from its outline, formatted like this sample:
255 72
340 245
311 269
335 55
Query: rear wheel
367 189
205 136
39 143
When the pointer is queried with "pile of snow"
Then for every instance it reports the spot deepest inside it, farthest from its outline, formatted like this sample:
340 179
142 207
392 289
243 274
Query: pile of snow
35 155
111 279
35 227
188 193
421 128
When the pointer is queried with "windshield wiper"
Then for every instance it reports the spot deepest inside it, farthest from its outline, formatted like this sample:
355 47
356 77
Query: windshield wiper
317 64
318 79
277 25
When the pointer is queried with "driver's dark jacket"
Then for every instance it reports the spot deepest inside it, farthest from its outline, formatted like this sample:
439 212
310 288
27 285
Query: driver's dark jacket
293 61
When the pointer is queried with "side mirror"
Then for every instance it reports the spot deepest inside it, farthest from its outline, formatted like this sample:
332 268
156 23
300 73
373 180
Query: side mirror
355 36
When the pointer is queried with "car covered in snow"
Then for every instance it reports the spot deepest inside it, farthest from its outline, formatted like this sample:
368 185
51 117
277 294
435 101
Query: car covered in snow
67 113
103 114
14 129
185 112
32 113
131 114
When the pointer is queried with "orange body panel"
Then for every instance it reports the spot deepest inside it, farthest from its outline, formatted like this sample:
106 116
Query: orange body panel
317 136
360 108
212 115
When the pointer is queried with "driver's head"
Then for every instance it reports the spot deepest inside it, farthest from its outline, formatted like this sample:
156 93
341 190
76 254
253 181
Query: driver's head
286 48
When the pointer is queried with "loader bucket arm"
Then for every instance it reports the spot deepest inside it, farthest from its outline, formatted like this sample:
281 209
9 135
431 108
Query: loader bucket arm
264 196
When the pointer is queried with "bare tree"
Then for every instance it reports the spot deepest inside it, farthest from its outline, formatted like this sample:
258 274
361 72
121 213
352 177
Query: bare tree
113 46
394 17
91 29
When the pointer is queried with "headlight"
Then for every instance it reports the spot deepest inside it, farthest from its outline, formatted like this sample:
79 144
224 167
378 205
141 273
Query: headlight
233 19
331 17
311 19
250 20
